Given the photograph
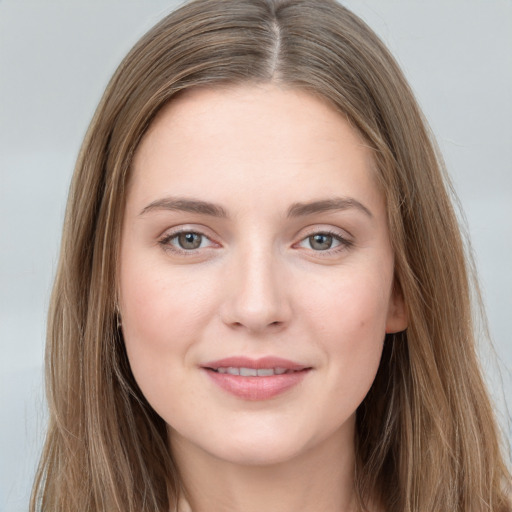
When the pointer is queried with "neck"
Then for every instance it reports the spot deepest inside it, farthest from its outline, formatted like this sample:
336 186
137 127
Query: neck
317 479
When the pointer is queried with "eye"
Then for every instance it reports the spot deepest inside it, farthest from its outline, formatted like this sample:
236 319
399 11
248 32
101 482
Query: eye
324 241
321 241
186 241
189 241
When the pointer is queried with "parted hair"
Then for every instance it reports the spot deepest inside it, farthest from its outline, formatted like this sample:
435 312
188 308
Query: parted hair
426 435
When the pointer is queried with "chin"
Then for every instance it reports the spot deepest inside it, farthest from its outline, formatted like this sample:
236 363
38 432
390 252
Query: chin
255 443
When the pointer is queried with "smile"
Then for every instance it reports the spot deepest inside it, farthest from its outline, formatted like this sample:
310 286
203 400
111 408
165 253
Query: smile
255 379
252 372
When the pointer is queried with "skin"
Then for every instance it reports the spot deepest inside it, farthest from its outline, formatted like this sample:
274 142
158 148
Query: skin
257 285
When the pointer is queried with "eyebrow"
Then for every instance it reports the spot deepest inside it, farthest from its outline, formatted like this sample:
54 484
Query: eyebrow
325 205
295 210
186 205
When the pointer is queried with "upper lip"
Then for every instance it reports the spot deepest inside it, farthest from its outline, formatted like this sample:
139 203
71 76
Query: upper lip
263 362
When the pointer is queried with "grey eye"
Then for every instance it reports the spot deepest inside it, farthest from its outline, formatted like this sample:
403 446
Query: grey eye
320 242
189 241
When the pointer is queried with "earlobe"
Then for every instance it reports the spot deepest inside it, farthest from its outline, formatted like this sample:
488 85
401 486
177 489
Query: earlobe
398 319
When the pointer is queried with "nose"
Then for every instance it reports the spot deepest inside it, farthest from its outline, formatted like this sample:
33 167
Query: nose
256 294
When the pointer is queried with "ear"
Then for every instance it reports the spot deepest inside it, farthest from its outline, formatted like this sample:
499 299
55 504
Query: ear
397 319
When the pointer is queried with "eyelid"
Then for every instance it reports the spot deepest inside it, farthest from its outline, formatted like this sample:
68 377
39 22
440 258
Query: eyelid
171 233
343 237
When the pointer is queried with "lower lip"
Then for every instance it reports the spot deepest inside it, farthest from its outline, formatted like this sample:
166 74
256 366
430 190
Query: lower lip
257 388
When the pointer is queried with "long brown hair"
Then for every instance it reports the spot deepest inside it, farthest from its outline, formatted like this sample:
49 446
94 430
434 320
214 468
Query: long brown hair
426 437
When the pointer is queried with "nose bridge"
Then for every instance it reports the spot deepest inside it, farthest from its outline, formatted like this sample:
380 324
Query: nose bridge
257 297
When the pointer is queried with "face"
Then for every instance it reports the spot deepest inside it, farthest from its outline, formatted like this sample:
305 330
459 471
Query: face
256 272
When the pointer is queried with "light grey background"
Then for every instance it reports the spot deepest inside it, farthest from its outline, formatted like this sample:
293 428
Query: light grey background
55 60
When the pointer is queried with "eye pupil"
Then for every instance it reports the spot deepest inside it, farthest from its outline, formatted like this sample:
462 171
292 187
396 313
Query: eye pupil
321 242
189 240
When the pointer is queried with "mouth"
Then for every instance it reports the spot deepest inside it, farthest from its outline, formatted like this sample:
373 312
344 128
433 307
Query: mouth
253 372
255 379
262 367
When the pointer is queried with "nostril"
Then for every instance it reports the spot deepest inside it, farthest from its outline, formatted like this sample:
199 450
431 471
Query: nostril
276 324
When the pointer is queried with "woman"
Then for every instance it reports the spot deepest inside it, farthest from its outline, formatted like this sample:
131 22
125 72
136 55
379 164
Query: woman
262 299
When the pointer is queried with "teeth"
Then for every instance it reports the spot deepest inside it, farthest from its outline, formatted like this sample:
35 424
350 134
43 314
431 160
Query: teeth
265 372
248 372
253 372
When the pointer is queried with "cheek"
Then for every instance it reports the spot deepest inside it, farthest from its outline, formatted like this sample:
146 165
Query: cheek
158 303
349 318
352 305
162 316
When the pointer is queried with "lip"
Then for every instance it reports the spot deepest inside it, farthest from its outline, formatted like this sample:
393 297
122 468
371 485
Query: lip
256 388
262 362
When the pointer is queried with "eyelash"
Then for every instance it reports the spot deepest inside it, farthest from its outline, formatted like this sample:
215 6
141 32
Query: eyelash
344 243
165 242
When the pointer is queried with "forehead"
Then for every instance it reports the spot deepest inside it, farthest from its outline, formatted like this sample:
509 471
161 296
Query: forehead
265 105
251 138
